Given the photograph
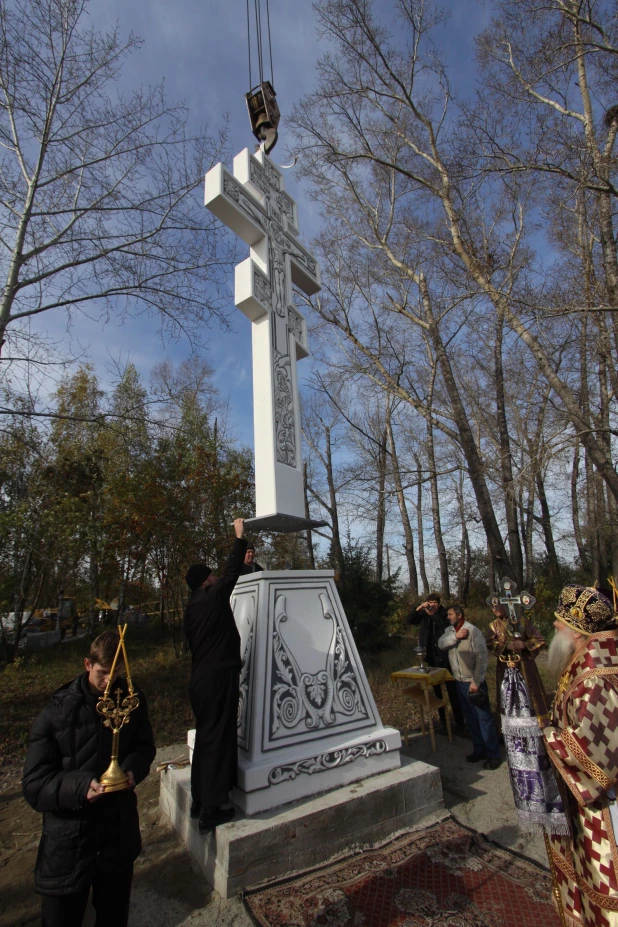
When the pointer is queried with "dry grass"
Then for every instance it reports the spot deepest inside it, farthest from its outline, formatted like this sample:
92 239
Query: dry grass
25 687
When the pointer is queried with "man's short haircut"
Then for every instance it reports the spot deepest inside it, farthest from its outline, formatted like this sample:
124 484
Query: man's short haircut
458 610
103 648
196 575
434 597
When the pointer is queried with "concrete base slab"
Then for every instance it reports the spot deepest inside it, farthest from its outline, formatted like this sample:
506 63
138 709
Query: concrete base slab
256 849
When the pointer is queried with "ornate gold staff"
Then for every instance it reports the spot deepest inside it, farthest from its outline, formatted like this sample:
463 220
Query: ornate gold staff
117 714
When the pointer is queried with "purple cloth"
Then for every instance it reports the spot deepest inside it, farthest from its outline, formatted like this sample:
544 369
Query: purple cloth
533 779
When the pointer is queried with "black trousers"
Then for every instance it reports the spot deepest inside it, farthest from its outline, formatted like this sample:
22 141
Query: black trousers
451 688
214 767
111 892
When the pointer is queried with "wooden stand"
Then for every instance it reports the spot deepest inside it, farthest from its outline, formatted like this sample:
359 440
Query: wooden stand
422 693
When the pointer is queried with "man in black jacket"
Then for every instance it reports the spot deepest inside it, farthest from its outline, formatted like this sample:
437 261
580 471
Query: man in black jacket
89 838
250 564
214 642
431 619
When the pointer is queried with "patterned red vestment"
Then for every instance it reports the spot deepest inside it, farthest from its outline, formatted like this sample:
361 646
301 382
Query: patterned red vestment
583 744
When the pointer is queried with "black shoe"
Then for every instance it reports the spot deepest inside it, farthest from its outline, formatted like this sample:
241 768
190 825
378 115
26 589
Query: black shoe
476 757
492 763
214 817
196 809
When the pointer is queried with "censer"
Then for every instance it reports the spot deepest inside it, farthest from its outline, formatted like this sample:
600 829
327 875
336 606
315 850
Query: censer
116 714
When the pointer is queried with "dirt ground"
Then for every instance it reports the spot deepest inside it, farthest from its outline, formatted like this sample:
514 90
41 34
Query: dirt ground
167 892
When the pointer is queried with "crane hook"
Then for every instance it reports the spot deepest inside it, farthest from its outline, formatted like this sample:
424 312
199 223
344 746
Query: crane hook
264 114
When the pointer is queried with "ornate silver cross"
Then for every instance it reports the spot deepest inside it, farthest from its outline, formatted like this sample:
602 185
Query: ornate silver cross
508 598
253 203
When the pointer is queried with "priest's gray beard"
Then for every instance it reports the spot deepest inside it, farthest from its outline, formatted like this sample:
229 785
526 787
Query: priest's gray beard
560 653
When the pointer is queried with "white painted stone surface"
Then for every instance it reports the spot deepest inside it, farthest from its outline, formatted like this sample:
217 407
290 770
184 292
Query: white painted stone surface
253 203
307 720
252 850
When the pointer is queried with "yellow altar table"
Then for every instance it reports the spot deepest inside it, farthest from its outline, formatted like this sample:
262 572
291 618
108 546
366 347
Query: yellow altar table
422 693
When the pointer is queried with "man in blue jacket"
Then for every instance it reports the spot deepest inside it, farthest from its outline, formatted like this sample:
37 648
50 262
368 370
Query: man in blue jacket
89 839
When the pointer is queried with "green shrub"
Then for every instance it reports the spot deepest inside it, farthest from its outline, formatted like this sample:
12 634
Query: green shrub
371 606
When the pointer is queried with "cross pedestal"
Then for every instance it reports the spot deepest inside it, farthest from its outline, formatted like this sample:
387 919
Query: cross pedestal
318 772
307 721
253 203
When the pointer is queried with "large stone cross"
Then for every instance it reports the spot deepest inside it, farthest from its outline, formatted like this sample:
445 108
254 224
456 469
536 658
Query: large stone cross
253 203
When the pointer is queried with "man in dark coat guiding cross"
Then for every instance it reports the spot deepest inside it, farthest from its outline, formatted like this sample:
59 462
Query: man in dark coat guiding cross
214 642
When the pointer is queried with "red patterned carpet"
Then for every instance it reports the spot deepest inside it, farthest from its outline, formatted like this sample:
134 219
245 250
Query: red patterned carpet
444 876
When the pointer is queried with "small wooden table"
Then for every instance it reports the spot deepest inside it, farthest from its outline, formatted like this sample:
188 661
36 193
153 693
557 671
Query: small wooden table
422 694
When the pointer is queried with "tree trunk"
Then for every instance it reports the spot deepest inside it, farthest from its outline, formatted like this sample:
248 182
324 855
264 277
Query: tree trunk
506 461
337 549
419 521
403 509
122 591
19 606
308 533
612 507
548 534
474 464
601 523
463 586
93 583
592 529
529 548
381 513
577 529
435 512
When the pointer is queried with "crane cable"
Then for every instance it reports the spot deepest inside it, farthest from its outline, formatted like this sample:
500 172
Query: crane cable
259 39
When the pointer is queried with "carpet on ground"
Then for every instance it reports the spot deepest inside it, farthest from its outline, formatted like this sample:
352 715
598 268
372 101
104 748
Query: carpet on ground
443 876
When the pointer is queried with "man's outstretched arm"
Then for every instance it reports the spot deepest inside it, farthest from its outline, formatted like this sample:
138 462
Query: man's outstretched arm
236 558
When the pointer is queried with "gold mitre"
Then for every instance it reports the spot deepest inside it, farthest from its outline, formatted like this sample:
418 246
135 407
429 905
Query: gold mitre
586 610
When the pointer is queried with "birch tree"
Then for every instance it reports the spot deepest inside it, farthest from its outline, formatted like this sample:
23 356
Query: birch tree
98 204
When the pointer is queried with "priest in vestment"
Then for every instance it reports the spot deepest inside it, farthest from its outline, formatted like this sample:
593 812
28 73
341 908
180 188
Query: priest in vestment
539 795
582 742
500 641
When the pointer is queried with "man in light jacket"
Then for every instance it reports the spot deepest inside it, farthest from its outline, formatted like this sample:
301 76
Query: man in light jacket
468 656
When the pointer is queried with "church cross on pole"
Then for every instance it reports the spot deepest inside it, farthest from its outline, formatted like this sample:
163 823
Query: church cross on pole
253 203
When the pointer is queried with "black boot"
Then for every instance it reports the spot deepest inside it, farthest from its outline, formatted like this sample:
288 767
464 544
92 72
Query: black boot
213 817
196 809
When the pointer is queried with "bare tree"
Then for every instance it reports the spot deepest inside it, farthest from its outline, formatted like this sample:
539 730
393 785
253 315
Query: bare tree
401 182
98 204
320 431
403 507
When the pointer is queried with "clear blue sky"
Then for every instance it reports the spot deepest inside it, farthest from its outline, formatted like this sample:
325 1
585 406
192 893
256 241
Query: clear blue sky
200 50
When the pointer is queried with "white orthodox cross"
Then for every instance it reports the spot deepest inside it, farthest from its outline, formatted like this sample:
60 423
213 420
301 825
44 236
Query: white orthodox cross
253 203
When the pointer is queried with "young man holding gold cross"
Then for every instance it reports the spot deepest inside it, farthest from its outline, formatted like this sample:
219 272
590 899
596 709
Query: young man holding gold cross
90 838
